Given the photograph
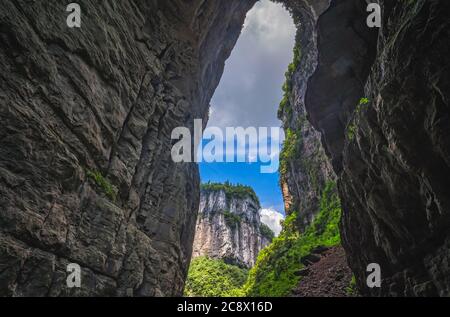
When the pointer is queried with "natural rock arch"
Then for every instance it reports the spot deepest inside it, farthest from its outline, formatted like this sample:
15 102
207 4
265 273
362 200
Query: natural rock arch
85 172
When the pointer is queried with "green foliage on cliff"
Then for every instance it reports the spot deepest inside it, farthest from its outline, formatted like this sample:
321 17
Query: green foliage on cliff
289 150
351 130
352 289
351 127
285 107
232 219
363 101
209 277
275 268
266 232
292 139
109 189
232 190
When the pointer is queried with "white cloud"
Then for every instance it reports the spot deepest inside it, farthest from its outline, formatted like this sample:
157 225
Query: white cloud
270 24
250 89
272 219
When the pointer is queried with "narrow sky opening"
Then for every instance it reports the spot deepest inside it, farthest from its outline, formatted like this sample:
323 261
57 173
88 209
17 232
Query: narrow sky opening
250 92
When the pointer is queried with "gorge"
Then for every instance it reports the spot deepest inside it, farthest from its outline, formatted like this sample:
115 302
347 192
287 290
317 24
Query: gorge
86 174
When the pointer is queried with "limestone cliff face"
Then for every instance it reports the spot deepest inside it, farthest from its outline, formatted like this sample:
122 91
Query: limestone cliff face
390 152
85 168
304 168
87 114
228 228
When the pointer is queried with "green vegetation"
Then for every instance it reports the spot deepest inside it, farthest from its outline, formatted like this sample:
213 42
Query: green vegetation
351 289
231 190
363 101
266 232
109 189
285 107
289 150
209 277
351 128
274 271
231 219
291 143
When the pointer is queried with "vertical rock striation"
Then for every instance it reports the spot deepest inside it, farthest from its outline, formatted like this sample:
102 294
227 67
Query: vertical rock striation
85 168
395 180
304 167
229 228
379 98
87 114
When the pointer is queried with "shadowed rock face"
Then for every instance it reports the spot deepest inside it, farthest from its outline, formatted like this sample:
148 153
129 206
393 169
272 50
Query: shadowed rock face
346 48
391 155
304 173
395 182
103 100
228 228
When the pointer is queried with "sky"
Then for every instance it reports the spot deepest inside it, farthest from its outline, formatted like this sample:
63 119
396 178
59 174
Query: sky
248 96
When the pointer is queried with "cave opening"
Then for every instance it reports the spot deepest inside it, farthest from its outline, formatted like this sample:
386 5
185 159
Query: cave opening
247 98
89 183
249 95
306 180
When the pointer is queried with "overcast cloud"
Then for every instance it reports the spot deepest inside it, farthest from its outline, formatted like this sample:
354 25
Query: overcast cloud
250 89
272 219
248 96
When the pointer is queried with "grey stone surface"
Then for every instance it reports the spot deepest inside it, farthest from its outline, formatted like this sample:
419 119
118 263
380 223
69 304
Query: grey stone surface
396 168
305 174
103 98
391 154
236 243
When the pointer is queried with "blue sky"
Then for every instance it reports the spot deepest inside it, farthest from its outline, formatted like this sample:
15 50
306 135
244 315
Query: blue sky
265 185
249 94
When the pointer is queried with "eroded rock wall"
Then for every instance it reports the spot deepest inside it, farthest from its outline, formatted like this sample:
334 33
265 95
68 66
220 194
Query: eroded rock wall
228 228
87 115
304 166
390 152
396 164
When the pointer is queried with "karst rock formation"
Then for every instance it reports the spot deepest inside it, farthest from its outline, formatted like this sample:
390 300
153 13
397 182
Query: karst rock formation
229 228
87 113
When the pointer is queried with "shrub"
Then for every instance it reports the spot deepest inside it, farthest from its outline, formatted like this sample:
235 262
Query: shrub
363 101
351 131
289 150
351 289
351 128
275 268
285 107
231 219
210 277
232 190
109 189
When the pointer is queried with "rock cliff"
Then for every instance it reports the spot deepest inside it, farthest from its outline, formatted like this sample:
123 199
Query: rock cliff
85 168
395 179
229 227
87 114
304 167
379 98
